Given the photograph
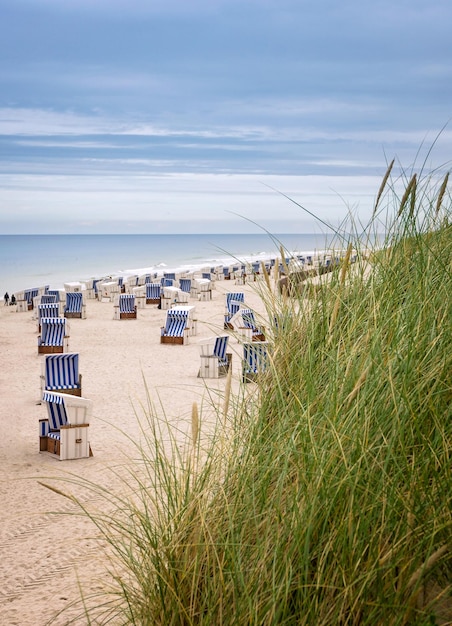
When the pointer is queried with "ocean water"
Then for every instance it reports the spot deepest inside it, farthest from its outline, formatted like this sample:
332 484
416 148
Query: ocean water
30 261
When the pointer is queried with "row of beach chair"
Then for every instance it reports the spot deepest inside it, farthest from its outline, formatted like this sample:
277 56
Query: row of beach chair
65 431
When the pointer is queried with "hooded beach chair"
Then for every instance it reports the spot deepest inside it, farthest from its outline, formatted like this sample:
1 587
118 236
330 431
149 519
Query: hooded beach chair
60 373
54 338
74 305
245 324
234 300
65 432
47 310
49 298
185 284
29 295
176 329
153 293
255 360
215 361
126 308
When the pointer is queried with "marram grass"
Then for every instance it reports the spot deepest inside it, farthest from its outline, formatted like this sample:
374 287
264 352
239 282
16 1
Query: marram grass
324 496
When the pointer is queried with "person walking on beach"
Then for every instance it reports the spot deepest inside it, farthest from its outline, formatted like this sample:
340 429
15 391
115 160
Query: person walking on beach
6 298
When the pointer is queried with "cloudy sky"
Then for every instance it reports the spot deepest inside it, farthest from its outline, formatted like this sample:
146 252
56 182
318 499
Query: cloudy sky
148 116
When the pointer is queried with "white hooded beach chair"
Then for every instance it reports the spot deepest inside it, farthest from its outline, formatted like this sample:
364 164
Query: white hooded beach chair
54 336
215 361
65 432
255 360
60 373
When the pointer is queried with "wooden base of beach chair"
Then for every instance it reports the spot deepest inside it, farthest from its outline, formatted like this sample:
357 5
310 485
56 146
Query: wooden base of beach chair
210 367
175 340
228 326
205 296
73 446
249 377
50 349
258 337
152 300
70 392
73 315
30 307
128 316
53 446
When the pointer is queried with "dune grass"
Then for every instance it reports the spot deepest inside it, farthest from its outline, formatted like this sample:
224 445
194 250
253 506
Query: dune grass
324 495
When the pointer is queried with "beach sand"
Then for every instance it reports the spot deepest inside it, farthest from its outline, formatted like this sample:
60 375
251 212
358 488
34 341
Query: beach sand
46 556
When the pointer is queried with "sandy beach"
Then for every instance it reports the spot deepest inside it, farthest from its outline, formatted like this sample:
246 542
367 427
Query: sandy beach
46 555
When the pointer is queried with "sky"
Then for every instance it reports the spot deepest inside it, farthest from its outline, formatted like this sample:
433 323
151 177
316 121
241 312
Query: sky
209 116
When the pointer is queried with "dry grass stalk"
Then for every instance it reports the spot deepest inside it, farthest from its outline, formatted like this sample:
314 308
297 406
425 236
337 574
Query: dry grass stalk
345 264
194 424
407 194
354 392
276 270
266 276
58 492
442 191
227 393
383 184
283 261
428 564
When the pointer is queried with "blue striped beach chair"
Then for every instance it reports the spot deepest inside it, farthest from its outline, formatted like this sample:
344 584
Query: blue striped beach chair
215 360
153 293
74 305
127 307
176 328
255 360
29 295
185 284
249 324
61 374
65 431
47 310
49 298
53 339
233 303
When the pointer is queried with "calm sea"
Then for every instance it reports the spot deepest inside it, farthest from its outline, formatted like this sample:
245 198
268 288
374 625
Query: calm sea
30 261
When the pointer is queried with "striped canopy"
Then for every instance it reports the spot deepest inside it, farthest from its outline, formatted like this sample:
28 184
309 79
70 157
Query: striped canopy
176 322
53 330
153 291
126 303
48 310
219 349
61 371
255 357
56 411
74 302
